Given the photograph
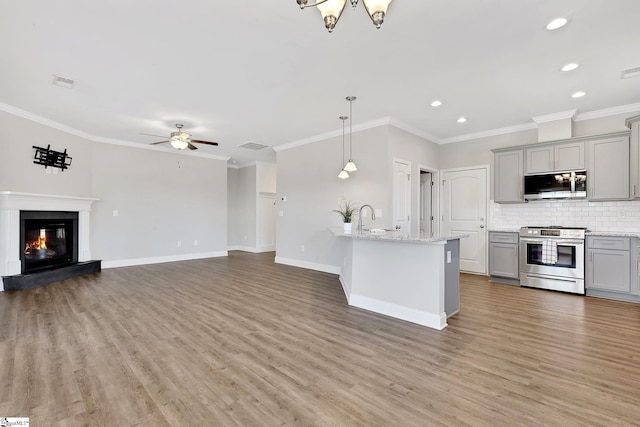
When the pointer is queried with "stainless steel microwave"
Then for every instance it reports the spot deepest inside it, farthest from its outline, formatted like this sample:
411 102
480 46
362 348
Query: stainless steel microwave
557 185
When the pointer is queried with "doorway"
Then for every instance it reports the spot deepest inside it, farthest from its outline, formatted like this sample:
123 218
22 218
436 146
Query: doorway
427 205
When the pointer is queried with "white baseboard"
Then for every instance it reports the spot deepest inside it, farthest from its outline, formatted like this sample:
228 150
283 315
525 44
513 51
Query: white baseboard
308 265
347 291
431 320
251 249
161 259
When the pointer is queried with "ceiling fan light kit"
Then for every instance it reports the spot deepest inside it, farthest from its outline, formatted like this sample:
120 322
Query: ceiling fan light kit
181 140
331 10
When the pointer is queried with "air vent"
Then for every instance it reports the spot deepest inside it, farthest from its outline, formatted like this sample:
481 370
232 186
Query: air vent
63 81
631 72
252 146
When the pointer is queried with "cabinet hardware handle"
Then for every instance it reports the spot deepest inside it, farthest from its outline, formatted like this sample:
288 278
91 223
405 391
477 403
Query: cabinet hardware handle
590 256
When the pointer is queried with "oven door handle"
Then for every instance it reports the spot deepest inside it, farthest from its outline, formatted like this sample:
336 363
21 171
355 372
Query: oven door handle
558 241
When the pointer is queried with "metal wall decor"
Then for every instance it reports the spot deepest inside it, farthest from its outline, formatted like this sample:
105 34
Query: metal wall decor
48 157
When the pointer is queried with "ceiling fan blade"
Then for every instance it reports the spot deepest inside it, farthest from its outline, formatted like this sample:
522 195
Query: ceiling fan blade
159 142
150 134
199 141
190 146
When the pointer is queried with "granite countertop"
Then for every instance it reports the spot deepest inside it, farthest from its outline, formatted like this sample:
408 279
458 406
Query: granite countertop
395 236
613 233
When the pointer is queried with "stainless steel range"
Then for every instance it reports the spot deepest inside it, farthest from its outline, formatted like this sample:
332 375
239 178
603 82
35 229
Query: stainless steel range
552 258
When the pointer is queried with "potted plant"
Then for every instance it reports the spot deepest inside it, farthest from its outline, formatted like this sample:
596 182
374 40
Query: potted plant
346 211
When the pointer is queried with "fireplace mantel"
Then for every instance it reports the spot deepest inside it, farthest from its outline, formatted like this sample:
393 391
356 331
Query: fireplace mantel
11 203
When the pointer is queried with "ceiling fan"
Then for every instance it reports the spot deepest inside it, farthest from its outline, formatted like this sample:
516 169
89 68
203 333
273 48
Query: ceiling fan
181 140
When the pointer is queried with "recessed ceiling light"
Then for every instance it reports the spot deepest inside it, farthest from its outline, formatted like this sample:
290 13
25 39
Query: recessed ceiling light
462 119
570 67
579 94
436 103
557 23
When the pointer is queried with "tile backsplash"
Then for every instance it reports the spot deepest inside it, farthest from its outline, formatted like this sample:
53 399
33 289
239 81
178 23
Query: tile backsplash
596 216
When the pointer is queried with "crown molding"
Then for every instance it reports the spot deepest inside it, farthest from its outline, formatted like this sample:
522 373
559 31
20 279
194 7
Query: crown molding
332 134
81 134
491 132
561 115
412 130
622 109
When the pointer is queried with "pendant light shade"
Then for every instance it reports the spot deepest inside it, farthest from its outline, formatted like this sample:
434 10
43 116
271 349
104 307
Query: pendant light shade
343 174
331 10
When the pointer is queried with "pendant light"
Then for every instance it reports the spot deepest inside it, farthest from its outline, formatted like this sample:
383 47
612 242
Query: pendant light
350 166
343 173
331 10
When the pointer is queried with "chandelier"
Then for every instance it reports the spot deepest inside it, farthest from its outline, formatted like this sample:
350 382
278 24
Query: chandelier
331 10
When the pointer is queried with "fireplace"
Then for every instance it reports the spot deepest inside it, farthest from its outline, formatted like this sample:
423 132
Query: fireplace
43 239
47 240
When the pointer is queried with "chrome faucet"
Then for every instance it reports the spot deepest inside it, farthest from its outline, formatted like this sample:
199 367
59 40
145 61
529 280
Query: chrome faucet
373 216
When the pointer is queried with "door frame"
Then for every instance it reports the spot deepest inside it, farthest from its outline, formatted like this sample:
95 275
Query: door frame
487 169
435 198
393 195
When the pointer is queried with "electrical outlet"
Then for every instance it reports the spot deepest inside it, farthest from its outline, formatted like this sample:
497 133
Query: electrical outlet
115 213
245 237
301 248
195 243
179 243
378 213
281 213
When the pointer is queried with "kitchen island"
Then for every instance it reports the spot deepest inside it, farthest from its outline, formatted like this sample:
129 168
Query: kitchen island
413 277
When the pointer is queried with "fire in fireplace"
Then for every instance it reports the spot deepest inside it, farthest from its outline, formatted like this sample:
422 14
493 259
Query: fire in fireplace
48 240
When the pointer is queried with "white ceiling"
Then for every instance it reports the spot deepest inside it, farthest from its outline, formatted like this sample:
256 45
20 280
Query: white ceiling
265 71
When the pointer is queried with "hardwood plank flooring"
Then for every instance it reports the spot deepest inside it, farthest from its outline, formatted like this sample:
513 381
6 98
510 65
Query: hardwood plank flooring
243 341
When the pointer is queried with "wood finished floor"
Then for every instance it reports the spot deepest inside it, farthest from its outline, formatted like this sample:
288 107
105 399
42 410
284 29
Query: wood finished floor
243 341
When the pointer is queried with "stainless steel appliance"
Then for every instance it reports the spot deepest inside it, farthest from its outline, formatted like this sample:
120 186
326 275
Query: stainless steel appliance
552 258
557 185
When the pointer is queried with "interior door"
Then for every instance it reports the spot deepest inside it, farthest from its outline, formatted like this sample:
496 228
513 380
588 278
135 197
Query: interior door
266 223
464 211
401 195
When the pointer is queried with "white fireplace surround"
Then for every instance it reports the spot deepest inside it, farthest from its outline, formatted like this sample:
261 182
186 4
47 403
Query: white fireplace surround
11 203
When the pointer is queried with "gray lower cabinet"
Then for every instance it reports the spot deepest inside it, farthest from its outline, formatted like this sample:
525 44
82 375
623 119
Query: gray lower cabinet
611 270
503 257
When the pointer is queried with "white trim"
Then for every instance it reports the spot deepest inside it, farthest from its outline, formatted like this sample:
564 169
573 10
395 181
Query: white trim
73 131
251 249
332 134
161 259
412 130
332 269
622 109
423 318
491 132
561 115
345 289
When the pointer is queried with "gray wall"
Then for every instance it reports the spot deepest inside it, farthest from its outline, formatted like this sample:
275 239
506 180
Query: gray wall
307 177
161 197
242 213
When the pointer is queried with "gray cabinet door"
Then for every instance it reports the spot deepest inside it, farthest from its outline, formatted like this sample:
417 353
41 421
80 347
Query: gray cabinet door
540 159
503 260
634 148
508 177
608 171
569 156
609 270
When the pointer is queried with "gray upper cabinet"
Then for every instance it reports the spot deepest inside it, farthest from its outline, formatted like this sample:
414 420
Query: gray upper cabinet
508 176
555 158
634 124
608 171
